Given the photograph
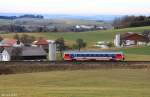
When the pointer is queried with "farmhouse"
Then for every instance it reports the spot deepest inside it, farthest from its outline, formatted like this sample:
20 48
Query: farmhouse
22 53
132 39
129 39
42 43
4 55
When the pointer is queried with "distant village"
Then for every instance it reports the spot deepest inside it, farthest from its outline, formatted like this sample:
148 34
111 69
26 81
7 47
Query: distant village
37 23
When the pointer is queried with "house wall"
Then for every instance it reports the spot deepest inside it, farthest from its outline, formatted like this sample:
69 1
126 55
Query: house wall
5 56
1 56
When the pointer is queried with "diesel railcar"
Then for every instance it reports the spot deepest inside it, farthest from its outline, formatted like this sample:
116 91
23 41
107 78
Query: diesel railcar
91 56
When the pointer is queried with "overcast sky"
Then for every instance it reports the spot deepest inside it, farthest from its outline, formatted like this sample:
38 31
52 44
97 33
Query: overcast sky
137 7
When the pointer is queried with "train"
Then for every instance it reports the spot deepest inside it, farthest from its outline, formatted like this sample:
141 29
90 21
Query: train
93 56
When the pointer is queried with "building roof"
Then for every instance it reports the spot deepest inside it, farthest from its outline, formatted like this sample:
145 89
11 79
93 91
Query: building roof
133 36
8 42
27 51
41 42
33 51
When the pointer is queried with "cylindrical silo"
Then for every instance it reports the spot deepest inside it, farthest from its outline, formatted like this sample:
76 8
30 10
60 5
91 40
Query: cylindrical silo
52 51
117 40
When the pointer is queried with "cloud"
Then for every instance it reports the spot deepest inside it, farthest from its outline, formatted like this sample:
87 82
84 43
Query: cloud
77 6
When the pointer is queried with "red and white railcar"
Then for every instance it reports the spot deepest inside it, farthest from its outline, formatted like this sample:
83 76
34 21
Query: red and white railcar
84 55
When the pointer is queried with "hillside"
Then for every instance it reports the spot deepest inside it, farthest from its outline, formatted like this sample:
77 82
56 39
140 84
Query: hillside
25 24
89 37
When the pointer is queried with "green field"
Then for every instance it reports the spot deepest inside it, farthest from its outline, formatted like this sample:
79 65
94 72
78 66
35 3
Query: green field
89 37
78 83
54 22
137 53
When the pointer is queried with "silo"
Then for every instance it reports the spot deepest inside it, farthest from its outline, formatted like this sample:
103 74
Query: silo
117 40
52 51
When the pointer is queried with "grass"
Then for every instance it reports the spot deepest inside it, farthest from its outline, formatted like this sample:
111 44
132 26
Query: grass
89 37
137 50
137 53
79 83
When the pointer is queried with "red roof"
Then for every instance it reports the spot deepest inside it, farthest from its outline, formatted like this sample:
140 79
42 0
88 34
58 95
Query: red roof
42 42
9 42
133 36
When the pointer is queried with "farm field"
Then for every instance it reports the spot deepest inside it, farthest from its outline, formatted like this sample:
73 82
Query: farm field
78 83
89 37
137 53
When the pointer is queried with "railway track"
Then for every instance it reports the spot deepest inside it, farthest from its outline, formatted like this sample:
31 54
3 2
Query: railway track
26 61
73 62
76 62
42 66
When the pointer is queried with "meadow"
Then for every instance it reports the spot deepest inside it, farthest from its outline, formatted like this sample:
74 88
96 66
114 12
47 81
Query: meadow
78 83
90 37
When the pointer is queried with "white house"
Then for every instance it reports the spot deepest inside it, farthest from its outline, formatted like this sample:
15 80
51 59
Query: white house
102 44
129 39
4 55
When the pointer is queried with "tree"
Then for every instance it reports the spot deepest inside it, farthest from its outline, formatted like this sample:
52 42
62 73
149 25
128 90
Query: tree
146 33
60 45
74 46
110 44
55 29
16 53
131 21
80 43
26 39
1 38
17 37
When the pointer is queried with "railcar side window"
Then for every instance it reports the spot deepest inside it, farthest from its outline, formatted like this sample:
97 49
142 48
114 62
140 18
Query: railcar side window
92 55
87 55
98 55
106 55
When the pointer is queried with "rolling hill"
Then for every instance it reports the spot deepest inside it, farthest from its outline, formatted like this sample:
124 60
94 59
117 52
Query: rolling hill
89 37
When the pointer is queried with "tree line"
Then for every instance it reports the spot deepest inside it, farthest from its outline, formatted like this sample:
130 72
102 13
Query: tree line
22 16
131 21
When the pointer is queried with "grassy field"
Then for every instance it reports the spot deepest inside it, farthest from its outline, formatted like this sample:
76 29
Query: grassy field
78 83
137 53
89 37
54 22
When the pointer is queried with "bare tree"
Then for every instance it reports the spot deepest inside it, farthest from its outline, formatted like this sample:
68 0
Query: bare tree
60 45
26 39
80 43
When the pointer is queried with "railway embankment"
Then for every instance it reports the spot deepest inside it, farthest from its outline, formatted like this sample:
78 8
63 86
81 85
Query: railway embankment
14 67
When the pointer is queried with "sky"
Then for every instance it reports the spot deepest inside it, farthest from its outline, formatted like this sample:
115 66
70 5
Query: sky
119 7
